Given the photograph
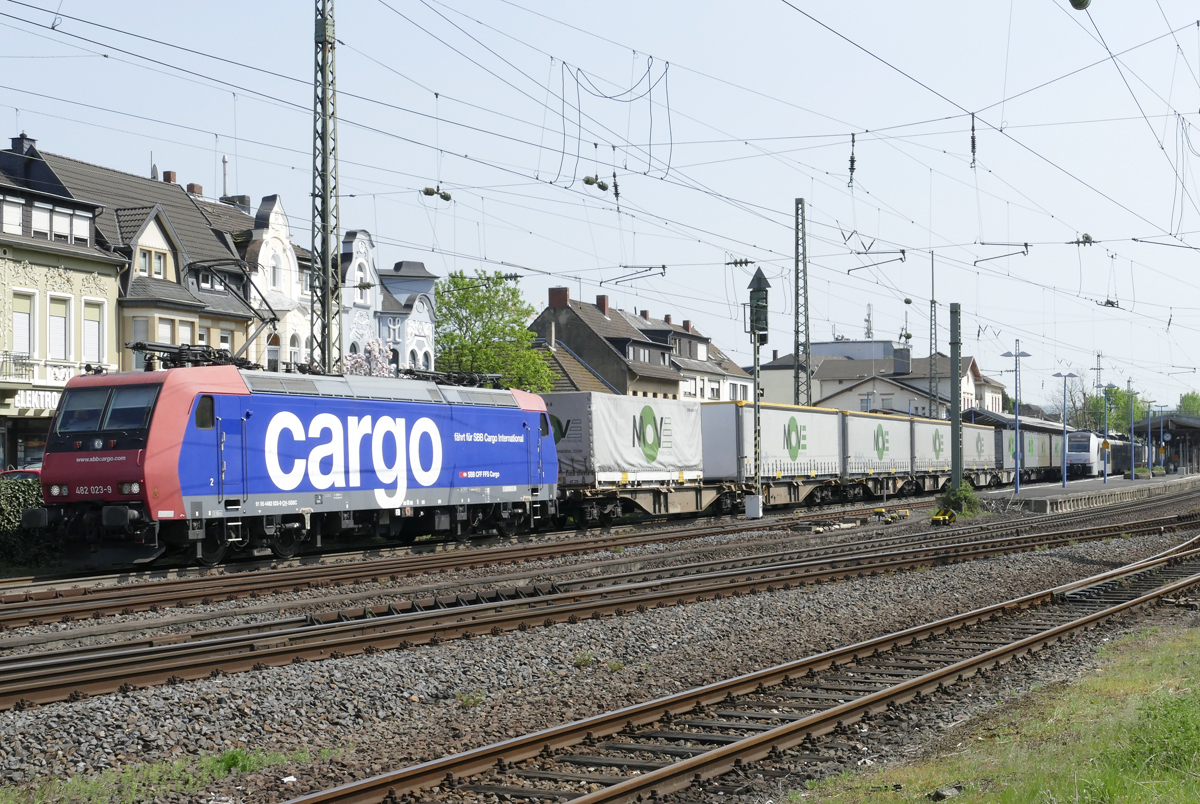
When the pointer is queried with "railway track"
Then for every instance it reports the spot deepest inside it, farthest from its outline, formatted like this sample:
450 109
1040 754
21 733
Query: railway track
83 602
784 721
31 587
77 672
95 603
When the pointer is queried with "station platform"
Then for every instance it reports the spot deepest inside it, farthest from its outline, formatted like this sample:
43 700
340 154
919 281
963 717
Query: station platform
1093 492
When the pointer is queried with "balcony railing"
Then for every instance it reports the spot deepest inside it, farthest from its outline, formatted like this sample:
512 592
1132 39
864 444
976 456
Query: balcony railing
16 366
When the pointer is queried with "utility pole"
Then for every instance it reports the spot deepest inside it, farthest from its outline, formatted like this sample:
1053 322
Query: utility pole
803 386
1099 383
933 347
956 445
326 290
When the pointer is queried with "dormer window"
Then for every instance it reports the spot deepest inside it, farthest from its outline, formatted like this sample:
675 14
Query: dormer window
206 280
144 263
160 264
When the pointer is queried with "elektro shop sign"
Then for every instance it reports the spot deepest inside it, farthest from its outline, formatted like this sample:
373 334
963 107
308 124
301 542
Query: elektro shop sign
36 399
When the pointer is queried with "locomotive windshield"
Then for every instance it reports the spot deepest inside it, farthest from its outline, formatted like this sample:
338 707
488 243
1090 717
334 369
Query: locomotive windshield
88 410
1079 442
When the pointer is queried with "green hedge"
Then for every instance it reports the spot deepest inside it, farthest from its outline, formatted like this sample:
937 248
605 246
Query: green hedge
17 546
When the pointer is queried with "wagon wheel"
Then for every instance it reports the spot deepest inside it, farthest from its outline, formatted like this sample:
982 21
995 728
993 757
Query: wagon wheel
213 548
607 518
285 542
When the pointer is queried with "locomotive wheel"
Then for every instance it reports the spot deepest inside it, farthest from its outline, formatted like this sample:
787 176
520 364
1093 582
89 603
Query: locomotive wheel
503 527
213 548
284 543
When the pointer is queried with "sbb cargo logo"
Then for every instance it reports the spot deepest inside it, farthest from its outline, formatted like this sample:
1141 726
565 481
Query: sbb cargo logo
343 446
795 438
651 433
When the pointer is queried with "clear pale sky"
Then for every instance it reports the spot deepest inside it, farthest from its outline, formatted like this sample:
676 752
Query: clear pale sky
721 115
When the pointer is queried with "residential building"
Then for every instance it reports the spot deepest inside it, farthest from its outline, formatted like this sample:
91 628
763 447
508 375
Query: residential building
405 315
708 375
570 373
777 379
58 299
627 358
843 386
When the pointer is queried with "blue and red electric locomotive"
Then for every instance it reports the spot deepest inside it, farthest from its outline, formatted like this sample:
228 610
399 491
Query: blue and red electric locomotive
214 458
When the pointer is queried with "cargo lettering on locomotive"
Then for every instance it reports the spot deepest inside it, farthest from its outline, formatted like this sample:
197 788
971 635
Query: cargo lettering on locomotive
343 451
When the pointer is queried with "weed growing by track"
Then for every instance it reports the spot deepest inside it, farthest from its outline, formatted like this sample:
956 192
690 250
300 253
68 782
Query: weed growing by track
139 783
963 500
1129 731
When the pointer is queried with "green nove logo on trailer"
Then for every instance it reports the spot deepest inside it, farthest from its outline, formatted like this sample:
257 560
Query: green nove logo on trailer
979 445
939 443
647 434
795 438
559 429
881 442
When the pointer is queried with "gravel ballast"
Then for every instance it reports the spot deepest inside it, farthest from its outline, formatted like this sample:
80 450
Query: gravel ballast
401 707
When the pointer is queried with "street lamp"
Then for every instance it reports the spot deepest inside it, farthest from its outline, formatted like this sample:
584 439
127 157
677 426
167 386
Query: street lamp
1107 446
1065 377
1016 356
1150 436
758 336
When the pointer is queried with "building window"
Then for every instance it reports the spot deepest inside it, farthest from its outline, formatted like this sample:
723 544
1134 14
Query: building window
354 348
141 334
662 358
185 333
276 270
360 284
81 229
886 402
166 330
864 404
427 362
12 216
394 361
306 281
202 336
61 220
160 264
689 387
22 324
57 329
714 390
412 358
273 352
144 262
41 221
205 280
294 350
92 344
227 340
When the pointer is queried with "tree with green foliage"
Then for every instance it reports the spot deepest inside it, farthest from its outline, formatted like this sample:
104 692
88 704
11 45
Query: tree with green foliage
1119 401
1189 404
482 328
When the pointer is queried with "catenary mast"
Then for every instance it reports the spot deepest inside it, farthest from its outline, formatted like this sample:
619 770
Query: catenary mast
326 295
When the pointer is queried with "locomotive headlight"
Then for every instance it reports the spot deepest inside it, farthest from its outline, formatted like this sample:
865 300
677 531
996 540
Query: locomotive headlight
135 488
55 491
97 443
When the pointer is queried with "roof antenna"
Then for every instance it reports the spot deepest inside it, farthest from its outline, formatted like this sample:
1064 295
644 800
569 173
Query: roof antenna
153 167
224 174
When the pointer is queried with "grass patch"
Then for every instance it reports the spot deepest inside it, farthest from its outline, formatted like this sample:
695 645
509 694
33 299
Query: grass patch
1128 733
584 659
470 700
615 666
963 500
137 783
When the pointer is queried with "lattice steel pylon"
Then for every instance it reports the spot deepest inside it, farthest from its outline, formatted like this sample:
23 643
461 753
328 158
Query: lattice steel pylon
801 380
934 380
326 293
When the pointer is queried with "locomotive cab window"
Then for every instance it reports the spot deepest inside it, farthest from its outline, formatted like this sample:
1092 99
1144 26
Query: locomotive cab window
545 426
205 414
130 407
82 409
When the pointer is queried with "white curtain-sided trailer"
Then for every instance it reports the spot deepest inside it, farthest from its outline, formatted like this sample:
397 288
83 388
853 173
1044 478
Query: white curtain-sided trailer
610 440
796 442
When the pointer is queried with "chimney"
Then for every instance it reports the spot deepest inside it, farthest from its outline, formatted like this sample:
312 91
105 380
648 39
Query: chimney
195 189
169 177
242 202
687 325
551 341
22 144
602 304
646 315
774 354
667 319
560 297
